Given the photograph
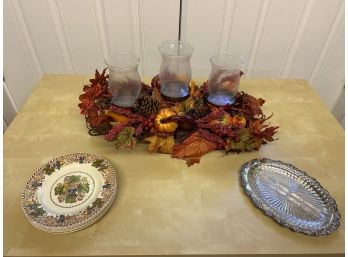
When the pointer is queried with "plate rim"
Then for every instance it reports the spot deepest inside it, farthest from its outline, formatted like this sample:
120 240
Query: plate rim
330 201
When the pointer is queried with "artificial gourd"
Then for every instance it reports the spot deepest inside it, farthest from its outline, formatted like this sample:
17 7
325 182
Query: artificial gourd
239 121
165 126
116 117
226 119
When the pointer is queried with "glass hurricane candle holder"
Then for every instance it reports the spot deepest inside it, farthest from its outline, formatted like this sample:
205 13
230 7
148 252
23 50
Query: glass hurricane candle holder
124 79
224 78
175 71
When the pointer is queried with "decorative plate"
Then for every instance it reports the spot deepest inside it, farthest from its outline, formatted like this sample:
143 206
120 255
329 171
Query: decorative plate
290 196
69 193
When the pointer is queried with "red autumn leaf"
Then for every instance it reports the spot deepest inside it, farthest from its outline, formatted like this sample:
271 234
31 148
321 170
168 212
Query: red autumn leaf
95 117
269 132
86 104
107 94
95 91
193 148
88 98
247 104
85 88
95 120
253 104
99 78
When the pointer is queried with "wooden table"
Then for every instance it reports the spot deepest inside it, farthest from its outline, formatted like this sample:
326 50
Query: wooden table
164 207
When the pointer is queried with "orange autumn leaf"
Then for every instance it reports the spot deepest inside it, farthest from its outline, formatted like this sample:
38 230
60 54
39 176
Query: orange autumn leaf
193 148
192 160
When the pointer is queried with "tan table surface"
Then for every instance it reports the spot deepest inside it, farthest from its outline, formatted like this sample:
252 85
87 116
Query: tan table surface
164 207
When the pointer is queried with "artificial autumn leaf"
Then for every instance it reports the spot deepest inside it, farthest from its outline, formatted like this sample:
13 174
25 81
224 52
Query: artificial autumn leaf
192 160
96 94
257 126
155 82
237 127
96 77
245 142
99 78
157 95
95 118
125 138
259 129
269 132
86 104
95 91
193 148
183 106
161 144
247 104
253 104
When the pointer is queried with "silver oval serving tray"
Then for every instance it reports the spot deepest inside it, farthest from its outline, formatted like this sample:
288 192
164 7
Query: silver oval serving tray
290 196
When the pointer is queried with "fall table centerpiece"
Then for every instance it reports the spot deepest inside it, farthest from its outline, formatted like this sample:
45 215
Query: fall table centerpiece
186 130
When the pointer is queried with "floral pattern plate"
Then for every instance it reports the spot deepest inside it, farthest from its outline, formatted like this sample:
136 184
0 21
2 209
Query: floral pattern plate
69 193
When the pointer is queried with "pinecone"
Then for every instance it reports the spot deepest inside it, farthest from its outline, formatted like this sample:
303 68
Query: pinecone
199 108
146 106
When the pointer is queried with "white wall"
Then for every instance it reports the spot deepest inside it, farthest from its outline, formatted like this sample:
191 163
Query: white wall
73 37
279 38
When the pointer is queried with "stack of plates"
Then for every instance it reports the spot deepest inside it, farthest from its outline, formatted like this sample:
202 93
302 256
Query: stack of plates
69 193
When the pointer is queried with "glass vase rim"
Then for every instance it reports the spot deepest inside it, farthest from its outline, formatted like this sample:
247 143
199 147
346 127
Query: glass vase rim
241 58
114 66
184 42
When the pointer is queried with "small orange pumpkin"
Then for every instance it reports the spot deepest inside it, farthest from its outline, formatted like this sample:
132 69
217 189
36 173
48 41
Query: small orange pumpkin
167 126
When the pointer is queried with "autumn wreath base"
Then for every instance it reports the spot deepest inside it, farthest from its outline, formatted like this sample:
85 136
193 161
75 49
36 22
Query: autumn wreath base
186 130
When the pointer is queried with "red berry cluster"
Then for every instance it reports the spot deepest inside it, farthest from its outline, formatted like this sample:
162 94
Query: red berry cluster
138 130
220 129
212 137
215 115
128 113
112 133
148 124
